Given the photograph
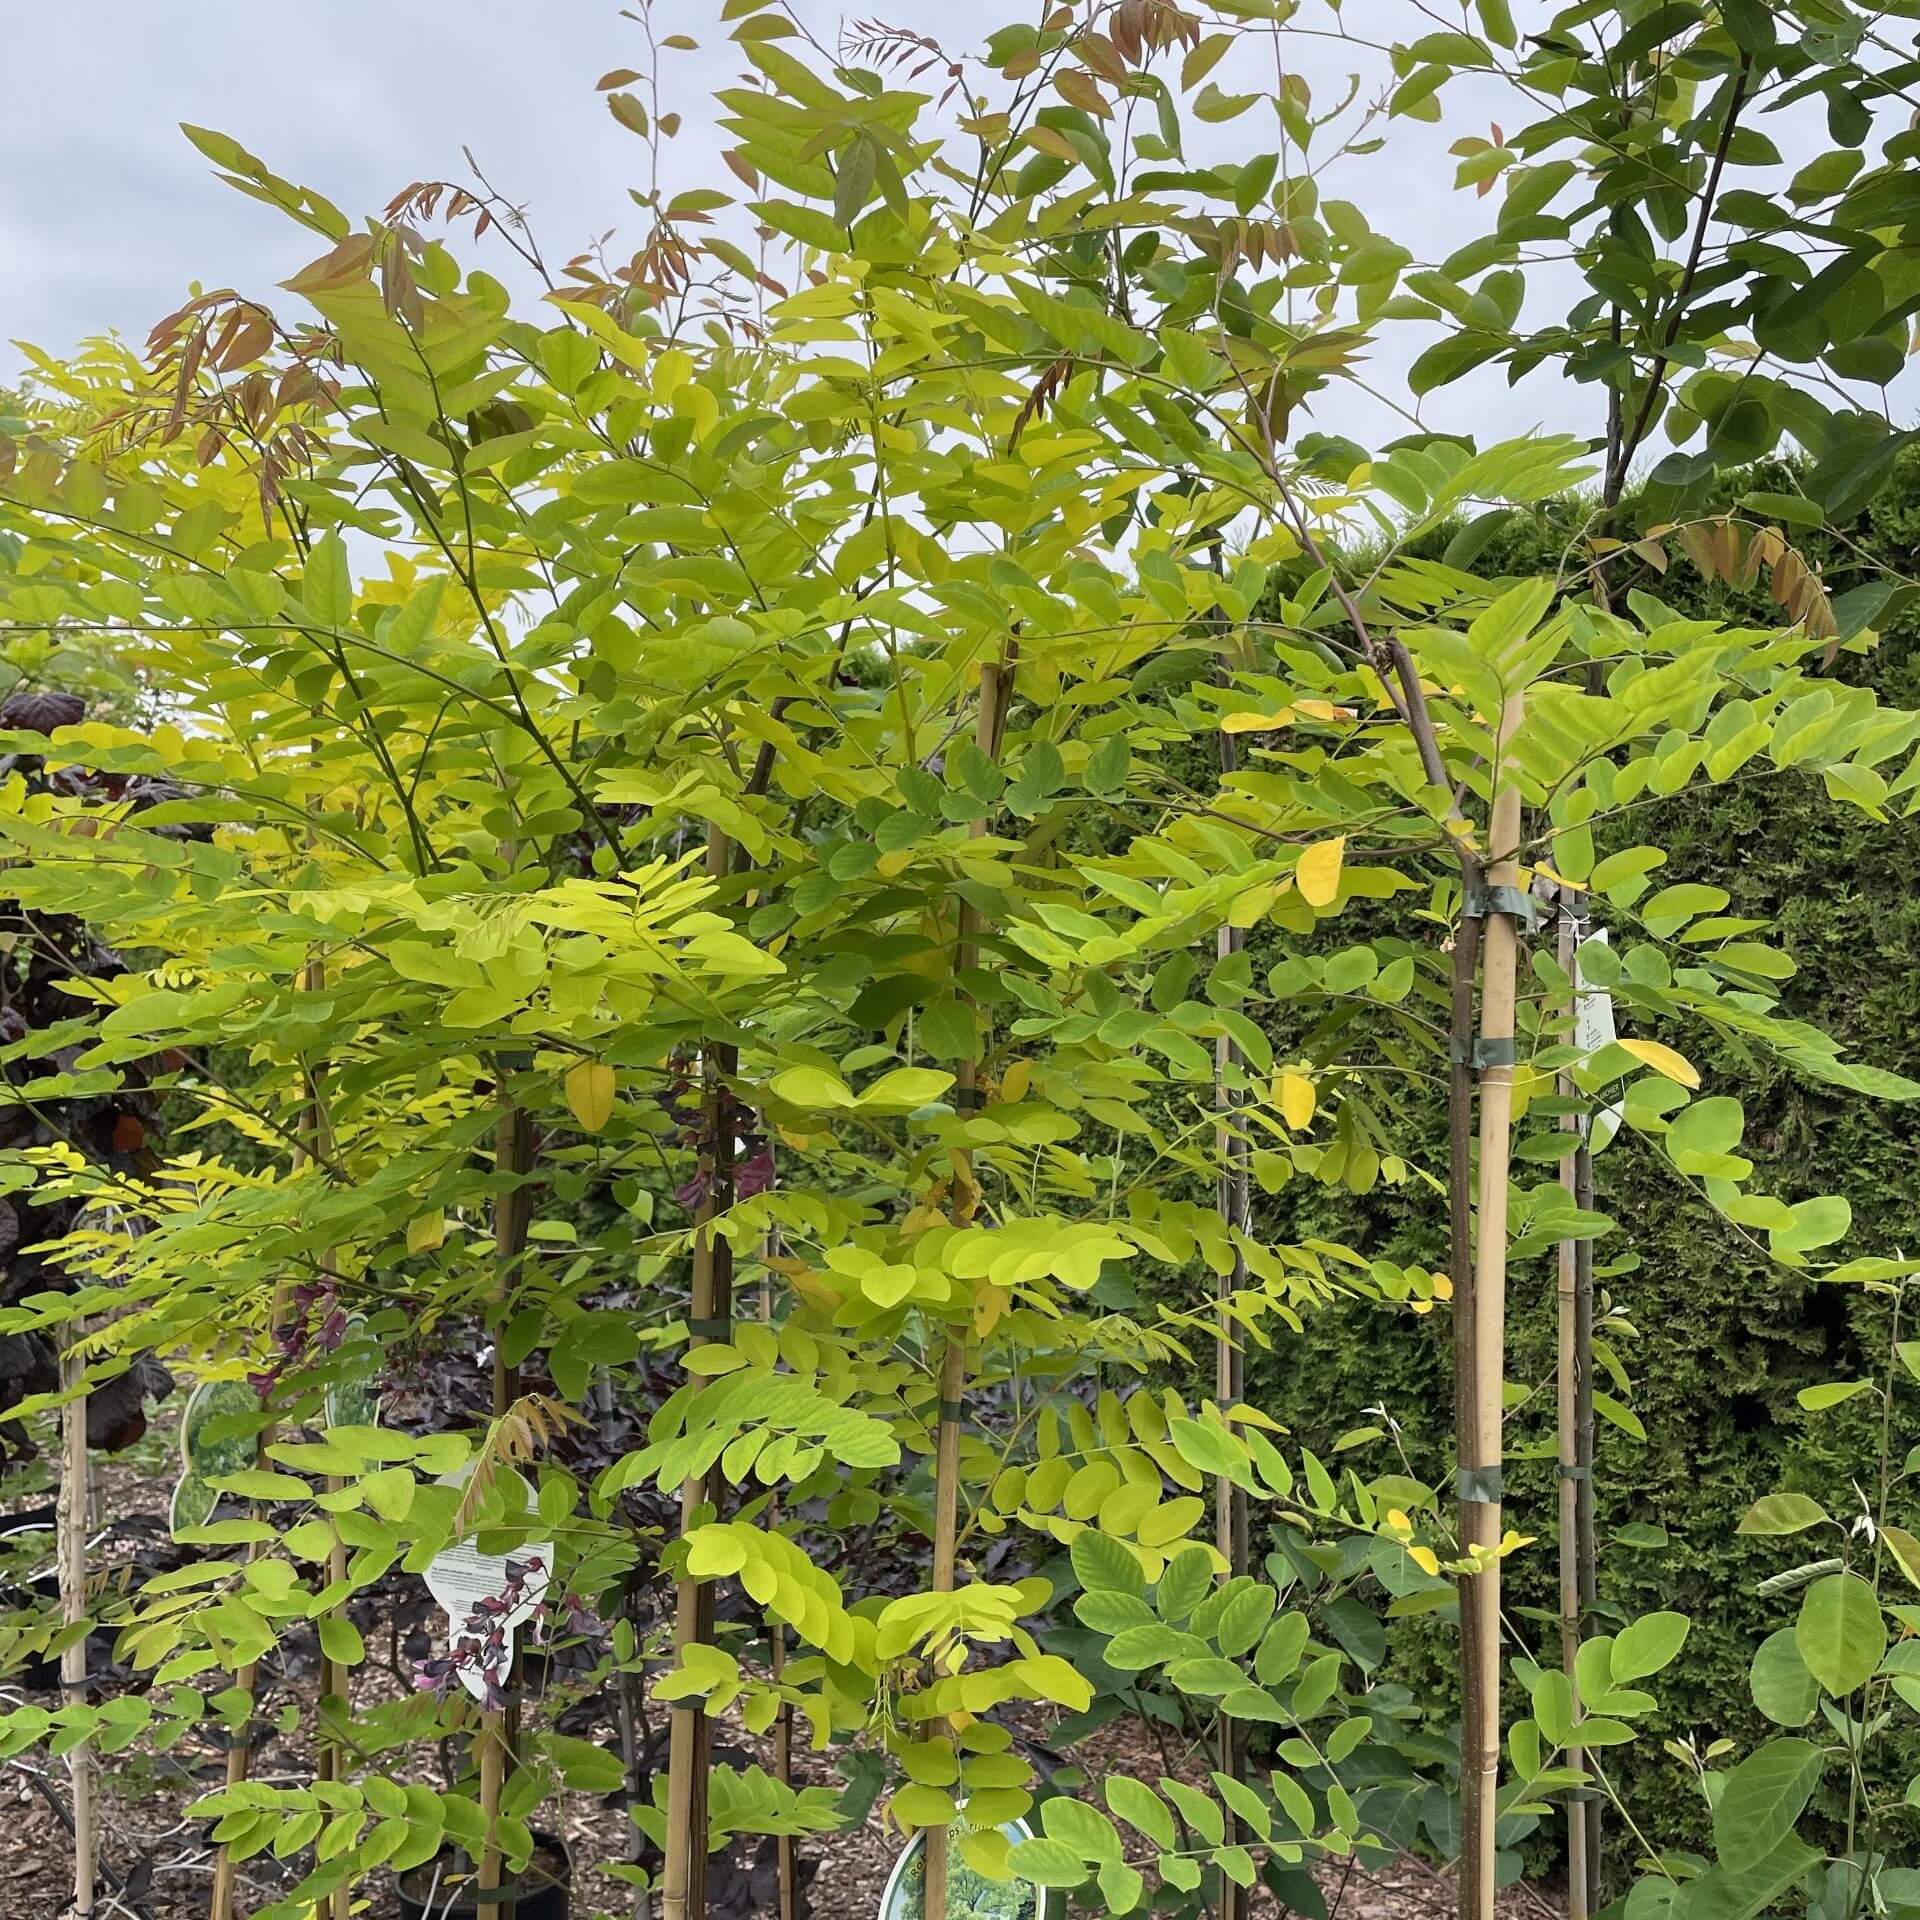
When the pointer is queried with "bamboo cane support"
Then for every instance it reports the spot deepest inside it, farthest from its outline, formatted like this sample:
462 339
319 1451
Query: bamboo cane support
683 1880
989 723
72 1521
1480 1747
786 1855
1231 1533
499 1732
1587 1555
1567 1396
1460 1194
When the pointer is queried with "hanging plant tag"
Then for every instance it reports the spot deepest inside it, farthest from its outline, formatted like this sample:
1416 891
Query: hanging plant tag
354 1398
488 1597
218 1430
1593 1029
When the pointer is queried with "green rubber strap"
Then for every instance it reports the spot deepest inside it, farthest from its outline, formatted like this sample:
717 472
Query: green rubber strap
1496 1053
1487 1485
711 1329
1514 903
952 1412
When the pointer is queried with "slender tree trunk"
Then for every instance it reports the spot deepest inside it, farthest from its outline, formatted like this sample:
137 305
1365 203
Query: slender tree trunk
683 1881
1481 1472
240 1752
336 1681
1567 1399
72 1518
989 723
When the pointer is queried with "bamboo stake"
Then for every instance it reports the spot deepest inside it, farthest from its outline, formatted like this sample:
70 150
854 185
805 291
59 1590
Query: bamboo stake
786 1854
989 723
500 1732
72 1519
1567 1397
1481 1491
1586 1553
683 1879
1231 1532
1460 1195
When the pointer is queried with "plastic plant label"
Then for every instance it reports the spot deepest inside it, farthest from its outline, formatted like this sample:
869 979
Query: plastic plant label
204 1459
488 1598
970 1896
1593 1029
354 1398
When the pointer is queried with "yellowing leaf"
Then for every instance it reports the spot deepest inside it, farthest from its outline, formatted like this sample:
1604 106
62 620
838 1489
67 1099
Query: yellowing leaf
1297 1100
812 1087
425 1231
1318 874
1663 1060
713 1359
903 1088
1256 722
1015 1081
590 1094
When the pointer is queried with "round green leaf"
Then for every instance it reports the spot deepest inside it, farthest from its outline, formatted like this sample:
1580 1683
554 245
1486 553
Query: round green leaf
1840 1633
1648 1645
1780 1684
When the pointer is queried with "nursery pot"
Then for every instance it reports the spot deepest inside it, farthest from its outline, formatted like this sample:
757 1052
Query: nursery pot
429 1891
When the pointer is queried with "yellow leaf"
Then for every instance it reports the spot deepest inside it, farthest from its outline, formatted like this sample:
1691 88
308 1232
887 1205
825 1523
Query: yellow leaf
426 1231
1015 1081
1250 908
590 1094
1296 1097
1256 722
713 1359
1425 1559
1663 1060
1318 874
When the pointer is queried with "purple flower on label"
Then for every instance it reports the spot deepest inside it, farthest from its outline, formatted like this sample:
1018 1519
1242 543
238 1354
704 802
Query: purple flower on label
431 1676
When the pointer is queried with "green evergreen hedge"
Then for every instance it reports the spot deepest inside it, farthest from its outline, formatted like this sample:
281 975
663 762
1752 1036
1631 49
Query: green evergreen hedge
1725 1341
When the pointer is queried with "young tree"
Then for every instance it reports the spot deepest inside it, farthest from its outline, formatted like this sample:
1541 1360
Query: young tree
745 717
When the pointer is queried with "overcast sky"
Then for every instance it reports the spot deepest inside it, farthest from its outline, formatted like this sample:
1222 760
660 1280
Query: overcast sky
108 216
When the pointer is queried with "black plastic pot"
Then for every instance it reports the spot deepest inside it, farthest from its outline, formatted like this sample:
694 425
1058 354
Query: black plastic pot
546 1886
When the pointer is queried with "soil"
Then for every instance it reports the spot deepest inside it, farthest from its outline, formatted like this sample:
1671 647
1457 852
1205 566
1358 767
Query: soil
148 1841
